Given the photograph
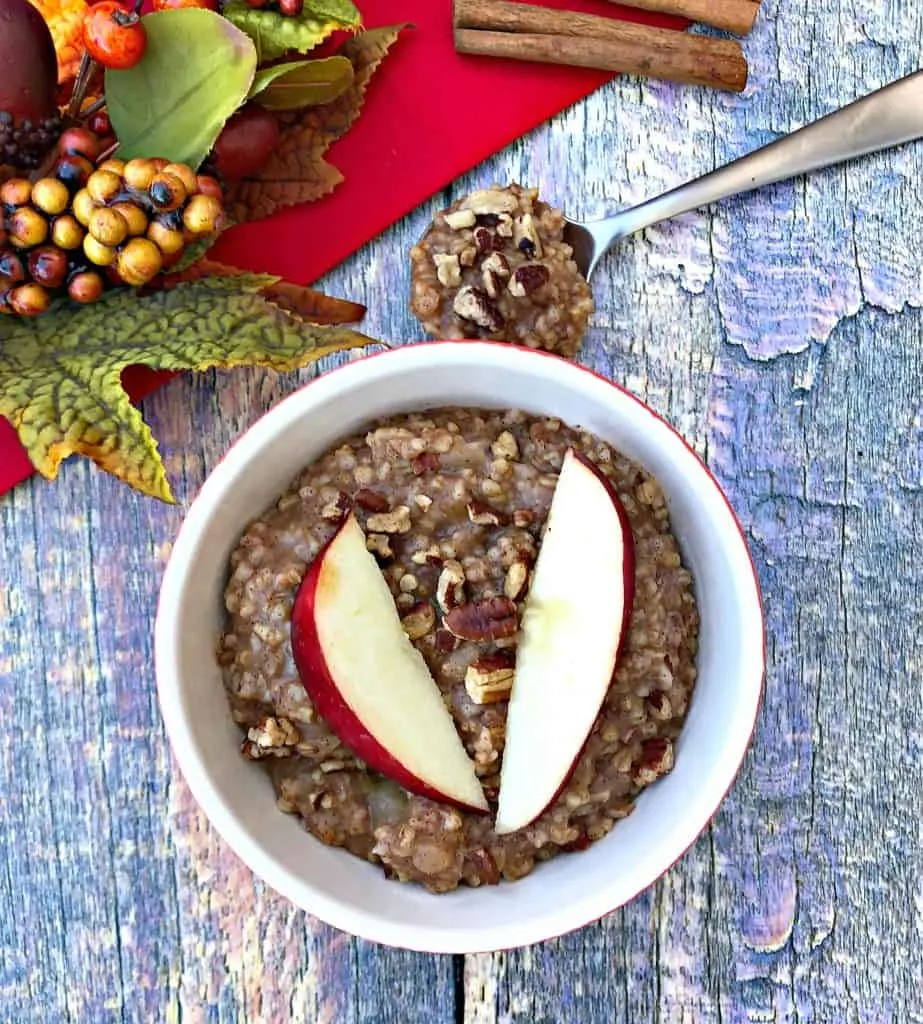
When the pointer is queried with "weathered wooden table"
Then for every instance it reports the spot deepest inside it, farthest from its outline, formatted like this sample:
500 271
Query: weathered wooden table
781 334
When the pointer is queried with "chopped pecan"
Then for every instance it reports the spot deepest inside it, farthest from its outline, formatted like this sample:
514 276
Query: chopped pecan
656 759
483 865
528 279
492 284
334 511
467 256
422 501
482 514
483 240
427 556
445 642
517 578
460 219
425 462
522 517
525 237
396 521
371 501
448 269
380 546
490 679
660 706
419 621
505 447
490 619
505 226
498 263
582 842
270 737
475 305
491 201
450 589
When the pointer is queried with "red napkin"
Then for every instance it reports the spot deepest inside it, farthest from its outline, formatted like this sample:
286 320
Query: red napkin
430 115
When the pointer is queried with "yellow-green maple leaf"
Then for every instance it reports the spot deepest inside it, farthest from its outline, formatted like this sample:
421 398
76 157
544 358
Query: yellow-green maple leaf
60 374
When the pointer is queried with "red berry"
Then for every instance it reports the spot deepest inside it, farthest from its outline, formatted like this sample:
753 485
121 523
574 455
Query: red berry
114 36
79 142
100 124
291 8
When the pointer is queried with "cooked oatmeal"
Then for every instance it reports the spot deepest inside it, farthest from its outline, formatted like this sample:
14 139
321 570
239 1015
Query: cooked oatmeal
453 502
495 265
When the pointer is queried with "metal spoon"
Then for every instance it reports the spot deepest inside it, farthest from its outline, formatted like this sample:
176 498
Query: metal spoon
886 118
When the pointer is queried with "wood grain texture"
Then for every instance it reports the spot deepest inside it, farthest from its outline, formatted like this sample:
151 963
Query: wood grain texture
767 332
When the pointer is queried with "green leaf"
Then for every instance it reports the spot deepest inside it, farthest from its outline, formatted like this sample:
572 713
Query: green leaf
302 83
196 71
60 373
275 34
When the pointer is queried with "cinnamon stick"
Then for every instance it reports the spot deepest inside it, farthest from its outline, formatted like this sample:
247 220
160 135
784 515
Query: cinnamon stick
519 31
734 16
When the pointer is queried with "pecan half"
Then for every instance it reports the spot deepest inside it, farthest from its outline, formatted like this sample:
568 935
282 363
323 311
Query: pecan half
450 588
517 578
475 305
396 521
490 619
483 240
371 501
528 279
419 621
490 679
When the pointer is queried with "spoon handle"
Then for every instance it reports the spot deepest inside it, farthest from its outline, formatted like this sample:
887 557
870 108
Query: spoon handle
886 118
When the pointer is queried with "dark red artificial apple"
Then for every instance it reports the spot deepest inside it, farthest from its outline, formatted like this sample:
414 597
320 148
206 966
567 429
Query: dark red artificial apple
574 621
369 682
245 143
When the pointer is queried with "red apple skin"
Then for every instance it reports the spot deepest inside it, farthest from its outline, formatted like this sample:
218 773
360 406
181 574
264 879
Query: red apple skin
628 575
318 682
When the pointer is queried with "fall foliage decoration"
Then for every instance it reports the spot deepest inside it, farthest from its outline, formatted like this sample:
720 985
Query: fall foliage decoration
128 141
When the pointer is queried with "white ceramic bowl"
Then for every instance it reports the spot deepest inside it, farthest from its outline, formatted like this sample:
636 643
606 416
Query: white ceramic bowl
568 891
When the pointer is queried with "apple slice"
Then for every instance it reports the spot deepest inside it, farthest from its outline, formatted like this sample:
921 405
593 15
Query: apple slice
575 618
369 682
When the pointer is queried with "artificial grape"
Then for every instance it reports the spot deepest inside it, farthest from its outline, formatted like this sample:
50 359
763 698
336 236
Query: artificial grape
139 261
83 206
114 36
159 163
96 252
15 192
86 286
139 173
103 185
167 191
48 266
108 226
80 142
185 174
11 267
168 240
112 164
27 228
209 186
135 217
50 195
67 232
73 170
291 8
29 299
203 215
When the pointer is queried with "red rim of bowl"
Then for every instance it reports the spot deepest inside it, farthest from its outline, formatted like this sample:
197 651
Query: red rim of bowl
756 586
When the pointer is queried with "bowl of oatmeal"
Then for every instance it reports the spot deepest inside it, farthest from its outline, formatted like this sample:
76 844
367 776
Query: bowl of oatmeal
445 458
